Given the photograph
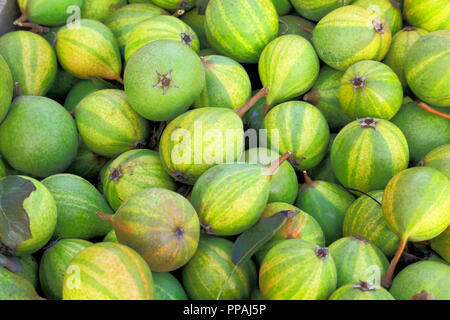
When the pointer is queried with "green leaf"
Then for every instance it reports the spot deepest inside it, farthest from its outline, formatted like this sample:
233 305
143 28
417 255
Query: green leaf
201 6
14 220
254 238
11 263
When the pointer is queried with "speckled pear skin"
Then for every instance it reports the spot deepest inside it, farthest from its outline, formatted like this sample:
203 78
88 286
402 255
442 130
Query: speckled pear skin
32 136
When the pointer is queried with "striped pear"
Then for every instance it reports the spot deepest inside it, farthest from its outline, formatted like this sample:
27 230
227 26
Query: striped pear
100 10
327 203
367 153
161 27
6 88
389 10
430 15
351 34
429 277
227 84
424 70
361 291
284 185
230 198
81 90
201 138
107 123
38 137
439 159
241 29
163 79
54 262
14 287
370 89
289 128
133 171
297 270
211 266
89 50
76 201
401 43
31 60
108 271
423 130
325 96
161 225
41 210
123 21
316 9
51 13
365 217
356 260
416 206
288 66
167 287
302 226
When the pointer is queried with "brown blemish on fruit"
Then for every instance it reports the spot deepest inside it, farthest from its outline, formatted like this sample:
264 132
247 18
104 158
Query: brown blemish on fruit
379 26
115 174
186 38
322 253
312 97
359 237
365 286
409 28
423 295
165 81
358 81
369 123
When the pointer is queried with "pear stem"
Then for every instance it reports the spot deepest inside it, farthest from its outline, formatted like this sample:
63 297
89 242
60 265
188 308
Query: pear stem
429 109
305 28
104 216
386 282
22 18
178 13
19 91
308 180
312 97
250 103
272 167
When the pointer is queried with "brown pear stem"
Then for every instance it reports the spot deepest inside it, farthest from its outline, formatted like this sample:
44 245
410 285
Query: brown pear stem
272 167
312 97
36 28
308 180
178 13
104 216
21 19
266 110
305 28
250 103
386 282
19 91
429 109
